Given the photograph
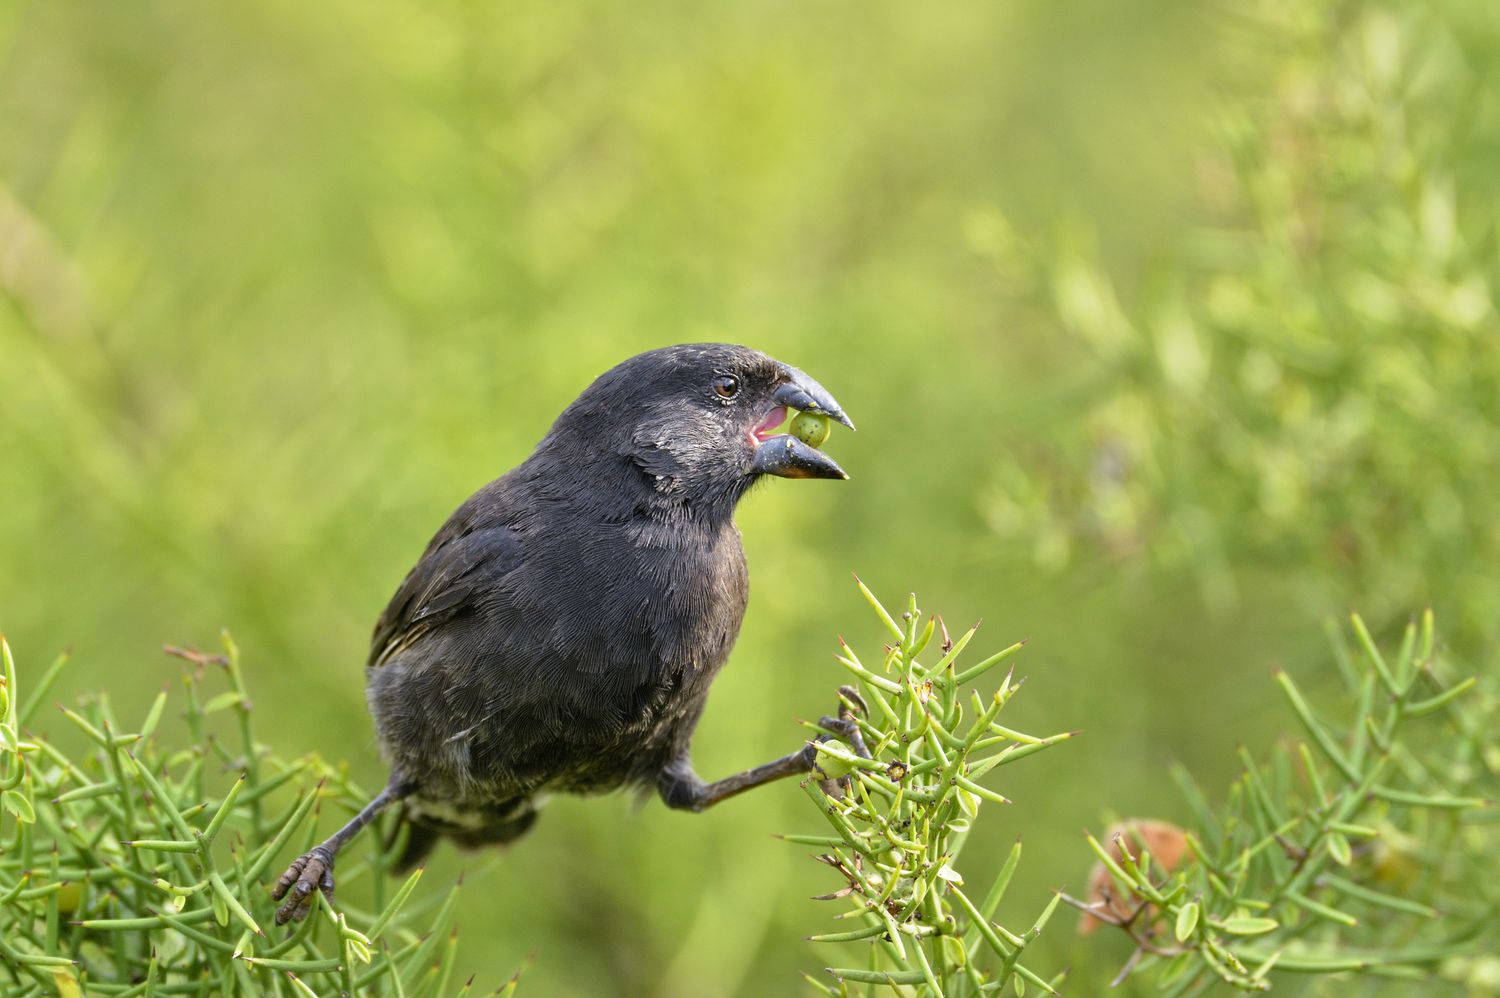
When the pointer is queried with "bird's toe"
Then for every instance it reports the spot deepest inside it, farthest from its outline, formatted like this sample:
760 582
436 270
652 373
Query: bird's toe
310 872
852 702
847 730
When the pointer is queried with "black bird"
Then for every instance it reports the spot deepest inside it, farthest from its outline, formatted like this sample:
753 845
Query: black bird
561 631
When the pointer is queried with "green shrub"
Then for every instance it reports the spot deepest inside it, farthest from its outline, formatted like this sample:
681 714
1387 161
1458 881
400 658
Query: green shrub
901 823
1305 382
1367 848
138 865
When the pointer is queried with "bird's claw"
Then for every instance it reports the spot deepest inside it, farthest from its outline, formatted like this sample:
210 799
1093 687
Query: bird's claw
845 727
850 702
309 872
846 724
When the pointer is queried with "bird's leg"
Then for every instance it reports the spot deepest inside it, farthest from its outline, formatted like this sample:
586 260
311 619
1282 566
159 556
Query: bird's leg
680 787
313 870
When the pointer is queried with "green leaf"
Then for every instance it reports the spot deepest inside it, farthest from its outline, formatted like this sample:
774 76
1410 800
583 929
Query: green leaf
971 674
1427 800
1314 727
1187 920
1321 910
1175 967
880 610
153 716
229 698
862 976
246 946
1377 660
1425 707
1248 925
19 805
66 983
302 989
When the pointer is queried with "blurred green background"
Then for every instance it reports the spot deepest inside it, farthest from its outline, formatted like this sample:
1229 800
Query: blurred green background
1169 328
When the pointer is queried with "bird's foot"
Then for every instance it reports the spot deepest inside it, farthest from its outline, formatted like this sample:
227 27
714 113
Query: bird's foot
851 704
309 872
846 724
846 728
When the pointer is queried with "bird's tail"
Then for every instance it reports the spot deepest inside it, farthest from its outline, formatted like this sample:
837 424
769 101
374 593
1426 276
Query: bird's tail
494 825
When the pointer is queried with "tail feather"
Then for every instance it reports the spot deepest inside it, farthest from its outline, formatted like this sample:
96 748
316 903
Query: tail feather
418 842
496 826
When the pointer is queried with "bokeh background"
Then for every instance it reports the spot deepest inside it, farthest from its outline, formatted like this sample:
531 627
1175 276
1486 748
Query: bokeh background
1170 329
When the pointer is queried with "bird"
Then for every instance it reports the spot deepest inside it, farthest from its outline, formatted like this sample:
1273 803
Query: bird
561 630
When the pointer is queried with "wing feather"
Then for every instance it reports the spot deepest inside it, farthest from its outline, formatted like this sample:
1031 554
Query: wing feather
457 566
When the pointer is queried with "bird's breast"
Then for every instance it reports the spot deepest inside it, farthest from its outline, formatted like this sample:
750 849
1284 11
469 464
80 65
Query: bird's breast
678 601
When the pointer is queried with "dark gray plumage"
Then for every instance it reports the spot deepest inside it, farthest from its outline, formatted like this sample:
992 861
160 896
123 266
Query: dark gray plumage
561 630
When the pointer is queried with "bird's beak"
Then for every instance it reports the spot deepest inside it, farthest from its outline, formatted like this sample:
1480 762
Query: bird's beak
799 391
786 456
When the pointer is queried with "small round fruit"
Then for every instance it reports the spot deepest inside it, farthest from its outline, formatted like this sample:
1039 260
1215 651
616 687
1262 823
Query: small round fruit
811 428
69 897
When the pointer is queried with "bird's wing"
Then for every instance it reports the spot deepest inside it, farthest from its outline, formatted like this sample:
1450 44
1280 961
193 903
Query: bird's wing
465 557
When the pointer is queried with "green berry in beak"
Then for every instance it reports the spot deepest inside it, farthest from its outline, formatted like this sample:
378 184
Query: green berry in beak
812 428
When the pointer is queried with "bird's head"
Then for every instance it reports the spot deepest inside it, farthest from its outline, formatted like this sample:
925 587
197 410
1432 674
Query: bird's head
699 422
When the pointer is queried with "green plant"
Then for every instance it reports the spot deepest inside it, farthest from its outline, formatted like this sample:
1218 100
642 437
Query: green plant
136 866
1367 847
1304 382
900 816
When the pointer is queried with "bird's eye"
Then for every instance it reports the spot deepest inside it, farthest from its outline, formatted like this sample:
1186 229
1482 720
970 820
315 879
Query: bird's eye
727 386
